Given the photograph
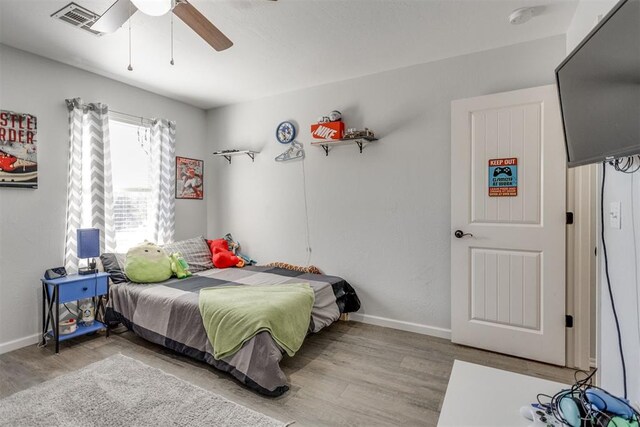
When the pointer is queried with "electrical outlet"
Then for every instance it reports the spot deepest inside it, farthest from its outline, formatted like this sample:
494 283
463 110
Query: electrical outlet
614 215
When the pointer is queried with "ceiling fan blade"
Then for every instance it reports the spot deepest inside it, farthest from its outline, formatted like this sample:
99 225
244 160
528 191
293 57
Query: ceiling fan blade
115 16
202 26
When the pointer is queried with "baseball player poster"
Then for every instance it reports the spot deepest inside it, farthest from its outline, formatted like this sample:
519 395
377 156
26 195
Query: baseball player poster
189 178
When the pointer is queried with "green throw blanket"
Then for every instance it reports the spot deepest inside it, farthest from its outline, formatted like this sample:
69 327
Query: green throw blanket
232 315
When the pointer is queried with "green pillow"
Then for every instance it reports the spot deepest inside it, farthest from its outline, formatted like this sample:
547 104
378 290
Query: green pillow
147 263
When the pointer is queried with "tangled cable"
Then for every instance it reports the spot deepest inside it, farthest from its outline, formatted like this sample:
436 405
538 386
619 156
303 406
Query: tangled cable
590 415
630 164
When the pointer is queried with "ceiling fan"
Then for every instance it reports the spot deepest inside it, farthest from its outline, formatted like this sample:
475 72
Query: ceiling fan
120 11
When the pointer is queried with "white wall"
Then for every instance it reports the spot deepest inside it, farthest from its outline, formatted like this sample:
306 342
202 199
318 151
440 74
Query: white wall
380 219
621 244
587 15
624 272
32 221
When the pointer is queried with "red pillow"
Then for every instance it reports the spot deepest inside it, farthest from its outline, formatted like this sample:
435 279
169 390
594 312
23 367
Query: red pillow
224 258
221 256
217 243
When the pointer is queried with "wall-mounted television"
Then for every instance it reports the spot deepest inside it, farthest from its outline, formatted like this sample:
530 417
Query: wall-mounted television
599 88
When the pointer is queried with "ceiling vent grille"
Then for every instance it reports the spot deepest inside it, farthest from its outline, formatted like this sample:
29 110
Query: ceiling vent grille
79 17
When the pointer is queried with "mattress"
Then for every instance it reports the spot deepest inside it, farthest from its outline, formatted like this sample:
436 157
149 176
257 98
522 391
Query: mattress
167 313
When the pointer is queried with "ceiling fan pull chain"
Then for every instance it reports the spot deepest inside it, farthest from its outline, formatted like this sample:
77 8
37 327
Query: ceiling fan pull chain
130 68
172 63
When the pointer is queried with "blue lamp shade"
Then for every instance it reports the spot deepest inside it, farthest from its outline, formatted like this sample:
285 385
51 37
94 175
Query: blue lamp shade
88 243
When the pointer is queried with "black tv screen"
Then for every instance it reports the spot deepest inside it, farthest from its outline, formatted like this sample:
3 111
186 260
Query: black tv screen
599 87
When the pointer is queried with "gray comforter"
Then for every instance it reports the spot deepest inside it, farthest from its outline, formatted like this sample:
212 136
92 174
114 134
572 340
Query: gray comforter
167 313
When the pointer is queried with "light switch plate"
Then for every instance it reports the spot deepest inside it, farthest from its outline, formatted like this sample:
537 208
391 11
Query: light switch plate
614 215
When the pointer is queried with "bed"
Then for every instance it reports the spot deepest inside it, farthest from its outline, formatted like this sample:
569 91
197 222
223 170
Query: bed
167 313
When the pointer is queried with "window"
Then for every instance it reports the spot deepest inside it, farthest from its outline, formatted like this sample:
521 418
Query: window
130 174
130 165
133 166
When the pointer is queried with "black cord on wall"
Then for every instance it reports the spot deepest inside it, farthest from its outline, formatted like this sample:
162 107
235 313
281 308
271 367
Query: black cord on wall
606 271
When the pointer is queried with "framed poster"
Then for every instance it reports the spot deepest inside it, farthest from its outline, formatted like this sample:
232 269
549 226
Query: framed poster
503 177
189 178
18 154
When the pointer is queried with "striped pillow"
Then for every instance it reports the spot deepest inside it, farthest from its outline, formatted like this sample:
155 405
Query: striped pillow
195 252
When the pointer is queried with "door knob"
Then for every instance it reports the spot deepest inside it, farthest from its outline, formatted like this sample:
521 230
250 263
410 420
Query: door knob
460 234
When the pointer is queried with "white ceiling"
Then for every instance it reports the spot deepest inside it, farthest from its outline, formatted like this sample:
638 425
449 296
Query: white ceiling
279 46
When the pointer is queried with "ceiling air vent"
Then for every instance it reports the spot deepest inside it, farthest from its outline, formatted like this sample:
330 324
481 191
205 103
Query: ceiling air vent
79 17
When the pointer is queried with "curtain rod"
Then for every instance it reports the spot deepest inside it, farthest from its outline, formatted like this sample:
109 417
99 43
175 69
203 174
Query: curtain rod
126 117
133 116
77 102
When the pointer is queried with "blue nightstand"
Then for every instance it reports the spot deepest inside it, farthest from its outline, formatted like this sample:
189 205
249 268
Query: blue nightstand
68 289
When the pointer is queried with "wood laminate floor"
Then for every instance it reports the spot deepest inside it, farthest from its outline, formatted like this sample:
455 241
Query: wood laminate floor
348 374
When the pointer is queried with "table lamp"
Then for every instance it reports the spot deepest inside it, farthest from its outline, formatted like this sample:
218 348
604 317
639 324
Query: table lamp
88 247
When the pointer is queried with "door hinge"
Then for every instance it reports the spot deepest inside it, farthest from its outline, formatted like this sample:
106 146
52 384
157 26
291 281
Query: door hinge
568 321
569 218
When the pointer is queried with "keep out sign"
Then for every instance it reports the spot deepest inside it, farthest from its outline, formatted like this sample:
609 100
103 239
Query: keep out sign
503 177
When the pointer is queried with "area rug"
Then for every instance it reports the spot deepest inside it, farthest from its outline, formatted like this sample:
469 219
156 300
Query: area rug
120 391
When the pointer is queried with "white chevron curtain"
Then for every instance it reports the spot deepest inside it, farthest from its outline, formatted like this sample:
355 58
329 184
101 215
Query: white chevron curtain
163 171
92 121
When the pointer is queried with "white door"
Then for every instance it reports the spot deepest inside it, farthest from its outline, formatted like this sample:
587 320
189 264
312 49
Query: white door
508 169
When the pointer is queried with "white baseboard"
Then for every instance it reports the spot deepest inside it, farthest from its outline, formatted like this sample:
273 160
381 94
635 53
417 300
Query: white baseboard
418 328
8 346
433 331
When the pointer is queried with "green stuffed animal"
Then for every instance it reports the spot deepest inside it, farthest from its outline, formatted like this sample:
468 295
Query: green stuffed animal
179 266
147 263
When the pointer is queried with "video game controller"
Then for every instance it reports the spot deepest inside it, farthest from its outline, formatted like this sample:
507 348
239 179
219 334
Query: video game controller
505 170
539 416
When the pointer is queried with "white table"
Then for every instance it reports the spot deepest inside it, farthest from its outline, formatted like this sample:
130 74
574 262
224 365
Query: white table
488 397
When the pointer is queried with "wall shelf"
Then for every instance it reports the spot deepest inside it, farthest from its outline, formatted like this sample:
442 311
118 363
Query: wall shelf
228 154
360 142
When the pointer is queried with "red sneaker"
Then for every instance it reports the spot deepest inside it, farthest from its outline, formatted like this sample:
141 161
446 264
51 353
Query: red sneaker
7 161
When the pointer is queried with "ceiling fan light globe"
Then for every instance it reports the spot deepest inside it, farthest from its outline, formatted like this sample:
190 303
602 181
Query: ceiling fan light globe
153 7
